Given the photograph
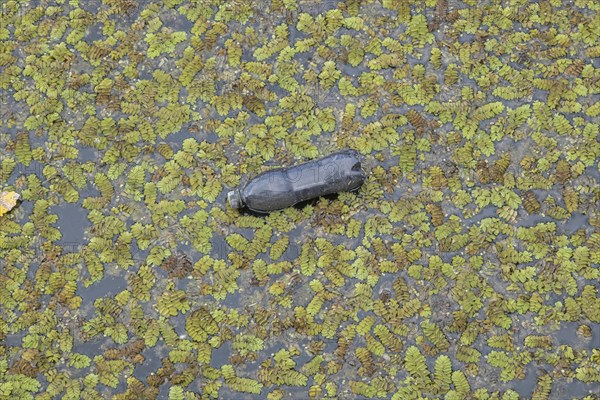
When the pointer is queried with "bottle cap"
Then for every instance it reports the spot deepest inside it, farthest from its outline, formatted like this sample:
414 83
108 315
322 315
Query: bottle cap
234 198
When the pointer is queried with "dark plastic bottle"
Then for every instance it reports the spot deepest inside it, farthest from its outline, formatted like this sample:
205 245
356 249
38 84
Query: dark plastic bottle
283 187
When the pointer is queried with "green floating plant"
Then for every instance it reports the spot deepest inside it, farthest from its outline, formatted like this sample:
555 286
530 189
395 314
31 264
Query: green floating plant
163 42
414 362
251 97
239 384
172 302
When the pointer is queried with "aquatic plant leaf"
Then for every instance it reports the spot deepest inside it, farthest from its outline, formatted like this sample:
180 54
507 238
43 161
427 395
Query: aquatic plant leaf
329 75
408 156
442 374
415 364
279 247
460 382
23 148
170 303
435 335
240 384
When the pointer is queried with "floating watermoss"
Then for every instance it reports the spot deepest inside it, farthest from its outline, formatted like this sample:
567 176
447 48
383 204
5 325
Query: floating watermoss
477 124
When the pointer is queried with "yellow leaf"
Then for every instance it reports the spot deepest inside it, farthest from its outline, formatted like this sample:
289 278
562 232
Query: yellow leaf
8 200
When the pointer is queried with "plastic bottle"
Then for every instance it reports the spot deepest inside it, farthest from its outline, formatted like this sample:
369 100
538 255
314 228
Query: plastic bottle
283 187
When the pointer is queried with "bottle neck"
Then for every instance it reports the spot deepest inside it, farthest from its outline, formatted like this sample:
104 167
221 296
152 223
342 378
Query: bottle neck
235 199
